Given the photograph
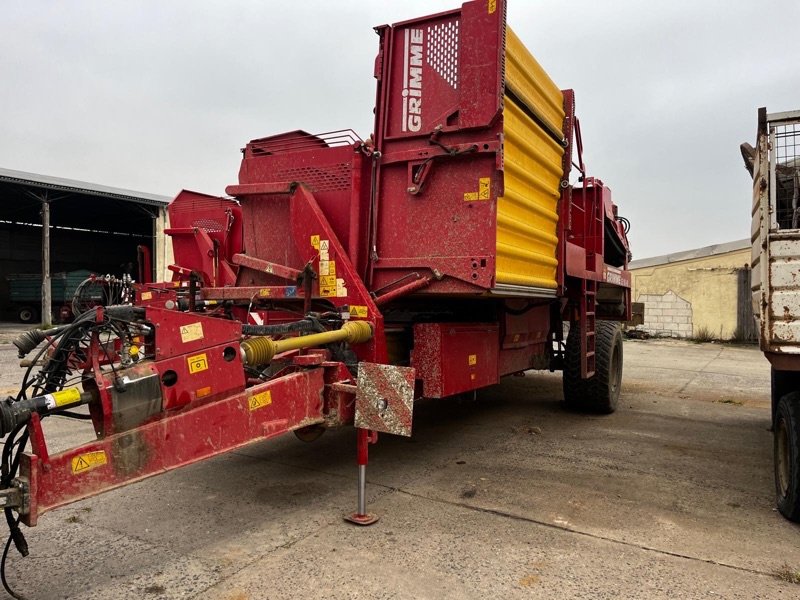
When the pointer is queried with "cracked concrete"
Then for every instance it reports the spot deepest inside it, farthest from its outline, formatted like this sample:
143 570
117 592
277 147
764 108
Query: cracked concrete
508 496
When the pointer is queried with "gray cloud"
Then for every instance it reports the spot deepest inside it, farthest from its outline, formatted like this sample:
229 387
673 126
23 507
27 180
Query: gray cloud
159 96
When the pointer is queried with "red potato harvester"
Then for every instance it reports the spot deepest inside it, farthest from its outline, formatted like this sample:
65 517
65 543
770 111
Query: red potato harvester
340 280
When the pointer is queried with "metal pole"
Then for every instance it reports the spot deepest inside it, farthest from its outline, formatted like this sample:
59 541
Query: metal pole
362 489
46 315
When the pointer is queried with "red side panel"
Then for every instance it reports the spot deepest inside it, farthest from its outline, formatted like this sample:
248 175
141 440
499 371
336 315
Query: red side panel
451 358
438 127
331 165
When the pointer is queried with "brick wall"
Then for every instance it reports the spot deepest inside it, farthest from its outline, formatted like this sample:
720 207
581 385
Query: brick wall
666 315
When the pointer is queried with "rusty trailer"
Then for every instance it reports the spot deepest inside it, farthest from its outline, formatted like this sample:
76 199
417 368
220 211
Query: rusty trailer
775 166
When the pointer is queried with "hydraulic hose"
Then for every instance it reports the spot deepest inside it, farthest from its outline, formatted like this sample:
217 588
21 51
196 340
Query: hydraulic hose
17 413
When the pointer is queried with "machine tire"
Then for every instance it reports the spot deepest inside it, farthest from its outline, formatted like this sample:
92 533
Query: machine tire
27 314
599 393
786 451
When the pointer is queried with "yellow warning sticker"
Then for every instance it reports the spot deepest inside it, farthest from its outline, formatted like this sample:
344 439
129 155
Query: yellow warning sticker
483 193
315 242
327 267
492 6
197 363
264 292
147 295
260 400
88 461
327 291
327 280
191 332
356 310
473 359
65 397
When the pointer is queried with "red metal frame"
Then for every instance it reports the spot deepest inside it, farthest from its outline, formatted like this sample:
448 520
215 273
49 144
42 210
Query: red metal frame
171 442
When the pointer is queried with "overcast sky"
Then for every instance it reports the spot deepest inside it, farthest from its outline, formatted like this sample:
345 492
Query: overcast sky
161 95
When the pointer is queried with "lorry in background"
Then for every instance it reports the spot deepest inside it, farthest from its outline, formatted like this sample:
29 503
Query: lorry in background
340 280
25 297
774 163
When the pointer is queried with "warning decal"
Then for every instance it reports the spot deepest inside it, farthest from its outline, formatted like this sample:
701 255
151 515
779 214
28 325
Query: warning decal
191 332
147 295
88 461
357 310
197 363
260 400
483 193
315 242
473 359
327 267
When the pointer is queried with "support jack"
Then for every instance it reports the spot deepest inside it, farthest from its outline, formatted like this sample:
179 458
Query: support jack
361 516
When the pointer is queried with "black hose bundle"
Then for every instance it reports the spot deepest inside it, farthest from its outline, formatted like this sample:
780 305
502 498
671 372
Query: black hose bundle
70 346
302 325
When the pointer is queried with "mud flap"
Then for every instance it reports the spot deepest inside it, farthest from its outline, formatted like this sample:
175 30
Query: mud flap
385 398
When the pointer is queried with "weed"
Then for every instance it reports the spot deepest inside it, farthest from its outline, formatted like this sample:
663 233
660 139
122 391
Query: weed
787 574
703 335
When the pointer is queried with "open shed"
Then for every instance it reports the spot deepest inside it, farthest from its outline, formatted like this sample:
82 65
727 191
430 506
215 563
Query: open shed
91 226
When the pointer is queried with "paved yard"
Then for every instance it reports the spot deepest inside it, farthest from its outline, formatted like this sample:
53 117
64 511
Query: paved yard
507 496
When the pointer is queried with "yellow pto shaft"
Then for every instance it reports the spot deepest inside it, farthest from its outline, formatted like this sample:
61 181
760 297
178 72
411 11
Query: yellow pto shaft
261 350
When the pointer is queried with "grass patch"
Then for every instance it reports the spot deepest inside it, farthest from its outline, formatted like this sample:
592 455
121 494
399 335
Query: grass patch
730 401
788 574
703 335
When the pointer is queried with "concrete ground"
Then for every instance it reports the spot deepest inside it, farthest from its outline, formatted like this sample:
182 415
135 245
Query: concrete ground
507 496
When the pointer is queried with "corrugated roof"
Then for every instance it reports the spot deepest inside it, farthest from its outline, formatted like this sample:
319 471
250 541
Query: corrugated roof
703 252
80 187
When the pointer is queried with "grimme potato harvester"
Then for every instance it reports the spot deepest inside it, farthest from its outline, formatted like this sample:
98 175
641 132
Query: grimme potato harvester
340 280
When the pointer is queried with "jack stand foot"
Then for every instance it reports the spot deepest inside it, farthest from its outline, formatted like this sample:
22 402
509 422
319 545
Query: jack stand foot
363 520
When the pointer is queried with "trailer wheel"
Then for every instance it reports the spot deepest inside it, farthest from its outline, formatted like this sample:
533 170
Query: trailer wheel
27 314
786 446
599 393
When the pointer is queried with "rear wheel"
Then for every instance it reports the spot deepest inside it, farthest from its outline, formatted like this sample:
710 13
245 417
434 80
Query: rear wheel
599 393
786 446
27 314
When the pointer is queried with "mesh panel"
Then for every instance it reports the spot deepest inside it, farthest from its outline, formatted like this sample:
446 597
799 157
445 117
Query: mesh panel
787 175
208 225
443 51
329 178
